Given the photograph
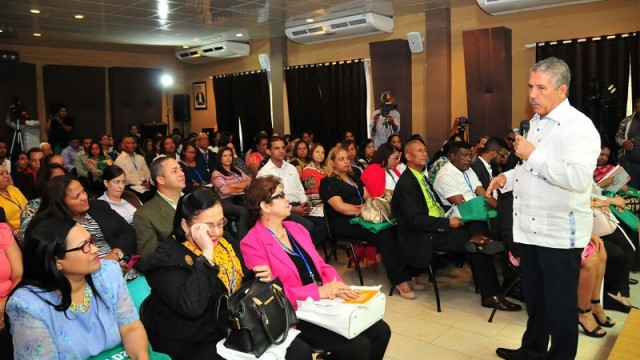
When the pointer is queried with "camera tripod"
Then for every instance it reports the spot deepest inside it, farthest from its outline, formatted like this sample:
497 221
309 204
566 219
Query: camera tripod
17 137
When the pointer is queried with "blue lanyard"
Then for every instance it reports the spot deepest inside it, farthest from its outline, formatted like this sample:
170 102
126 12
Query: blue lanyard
466 178
297 253
392 179
352 183
198 174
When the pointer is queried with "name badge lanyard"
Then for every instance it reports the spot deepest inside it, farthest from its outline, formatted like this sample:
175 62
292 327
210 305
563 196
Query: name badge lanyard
296 253
466 178
231 279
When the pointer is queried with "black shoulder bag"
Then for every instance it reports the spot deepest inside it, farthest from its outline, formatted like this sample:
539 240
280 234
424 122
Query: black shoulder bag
259 314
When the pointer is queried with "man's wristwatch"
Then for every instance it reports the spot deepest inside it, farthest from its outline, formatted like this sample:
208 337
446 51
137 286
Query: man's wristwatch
119 253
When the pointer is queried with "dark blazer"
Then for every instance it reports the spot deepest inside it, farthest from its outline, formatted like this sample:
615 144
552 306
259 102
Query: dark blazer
117 232
209 162
185 291
480 170
416 227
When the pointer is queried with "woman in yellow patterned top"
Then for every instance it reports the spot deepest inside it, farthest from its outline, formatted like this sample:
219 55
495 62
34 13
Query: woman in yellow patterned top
188 273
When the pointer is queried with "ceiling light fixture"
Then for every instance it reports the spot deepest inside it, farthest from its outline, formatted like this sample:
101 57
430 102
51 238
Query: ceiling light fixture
185 46
78 16
310 20
37 34
34 11
166 80
239 35
163 9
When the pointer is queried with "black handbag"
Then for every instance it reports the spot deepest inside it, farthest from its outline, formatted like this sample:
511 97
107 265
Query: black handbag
259 314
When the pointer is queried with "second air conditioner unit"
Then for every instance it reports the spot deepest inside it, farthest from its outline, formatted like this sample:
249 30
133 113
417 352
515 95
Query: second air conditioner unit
340 28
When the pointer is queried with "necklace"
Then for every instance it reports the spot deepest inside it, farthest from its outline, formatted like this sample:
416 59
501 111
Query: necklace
86 302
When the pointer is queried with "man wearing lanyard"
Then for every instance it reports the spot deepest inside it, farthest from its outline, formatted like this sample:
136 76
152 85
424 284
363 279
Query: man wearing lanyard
205 155
552 219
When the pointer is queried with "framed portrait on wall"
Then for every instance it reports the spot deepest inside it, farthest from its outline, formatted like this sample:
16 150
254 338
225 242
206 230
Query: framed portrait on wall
200 95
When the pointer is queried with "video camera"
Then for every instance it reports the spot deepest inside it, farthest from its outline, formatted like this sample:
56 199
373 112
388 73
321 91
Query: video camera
386 108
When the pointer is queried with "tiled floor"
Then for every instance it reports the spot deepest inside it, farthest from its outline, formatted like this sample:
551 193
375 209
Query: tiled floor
461 330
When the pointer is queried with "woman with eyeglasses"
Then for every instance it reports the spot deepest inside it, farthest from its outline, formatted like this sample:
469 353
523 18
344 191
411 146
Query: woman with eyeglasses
287 248
64 197
188 273
70 303
381 175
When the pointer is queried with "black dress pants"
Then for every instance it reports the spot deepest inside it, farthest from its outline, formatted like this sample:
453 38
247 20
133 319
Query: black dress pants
550 288
619 262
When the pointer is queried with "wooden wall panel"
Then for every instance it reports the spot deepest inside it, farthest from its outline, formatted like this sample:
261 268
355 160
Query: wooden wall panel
135 97
19 82
487 59
391 70
82 89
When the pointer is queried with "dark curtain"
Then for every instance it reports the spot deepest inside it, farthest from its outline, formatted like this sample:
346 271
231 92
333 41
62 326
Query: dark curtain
18 83
634 49
135 98
328 99
595 65
82 88
243 98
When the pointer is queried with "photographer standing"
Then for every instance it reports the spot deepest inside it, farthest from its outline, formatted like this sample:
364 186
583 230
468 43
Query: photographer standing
18 118
59 127
386 120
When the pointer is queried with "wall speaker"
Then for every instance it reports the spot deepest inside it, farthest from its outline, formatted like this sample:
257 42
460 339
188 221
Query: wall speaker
265 63
181 108
415 42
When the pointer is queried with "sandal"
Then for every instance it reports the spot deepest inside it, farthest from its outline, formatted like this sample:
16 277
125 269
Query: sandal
595 333
607 322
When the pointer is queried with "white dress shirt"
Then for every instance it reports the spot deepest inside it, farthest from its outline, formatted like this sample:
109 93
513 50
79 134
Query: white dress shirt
450 182
551 189
290 180
135 168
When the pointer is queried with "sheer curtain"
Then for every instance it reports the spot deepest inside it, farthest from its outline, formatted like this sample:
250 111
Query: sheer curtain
328 99
596 64
243 98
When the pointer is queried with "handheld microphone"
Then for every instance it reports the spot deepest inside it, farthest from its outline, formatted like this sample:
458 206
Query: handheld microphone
524 130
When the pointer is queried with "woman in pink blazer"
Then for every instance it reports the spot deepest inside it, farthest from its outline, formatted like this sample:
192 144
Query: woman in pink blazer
287 248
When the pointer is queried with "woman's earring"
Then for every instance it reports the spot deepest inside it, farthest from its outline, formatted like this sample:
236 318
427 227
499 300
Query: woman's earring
59 268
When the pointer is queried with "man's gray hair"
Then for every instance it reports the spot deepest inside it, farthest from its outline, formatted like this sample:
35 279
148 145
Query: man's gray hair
559 70
156 168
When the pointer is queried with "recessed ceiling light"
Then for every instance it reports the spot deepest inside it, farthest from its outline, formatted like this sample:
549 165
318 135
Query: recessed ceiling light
1 30
34 11
78 16
310 20
239 35
185 46
37 34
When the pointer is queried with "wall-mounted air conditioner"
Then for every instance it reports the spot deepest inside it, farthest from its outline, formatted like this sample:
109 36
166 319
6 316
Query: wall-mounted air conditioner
502 7
212 52
340 28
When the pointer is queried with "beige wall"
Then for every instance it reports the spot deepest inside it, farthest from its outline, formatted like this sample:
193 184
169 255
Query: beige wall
601 18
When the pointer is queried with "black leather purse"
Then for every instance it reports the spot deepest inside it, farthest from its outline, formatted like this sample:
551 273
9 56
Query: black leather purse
259 315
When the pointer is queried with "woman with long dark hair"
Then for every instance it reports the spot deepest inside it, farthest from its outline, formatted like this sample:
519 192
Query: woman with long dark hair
71 303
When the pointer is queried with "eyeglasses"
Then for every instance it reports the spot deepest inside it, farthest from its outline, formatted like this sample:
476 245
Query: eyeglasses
220 224
396 158
85 246
510 139
278 196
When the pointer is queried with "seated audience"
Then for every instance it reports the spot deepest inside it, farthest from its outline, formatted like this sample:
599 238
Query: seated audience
591 316
150 155
479 146
195 171
46 148
365 152
121 201
381 175
4 160
69 153
343 197
284 246
603 167
485 165
65 198
258 153
300 156
168 148
47 171
134 166
26 181
81 158
394 140
352 153
238 162
188 273
19 164
620 254
97 162
300 207
230 183
312 176
11 200
205 156
71 304
423 229
153 220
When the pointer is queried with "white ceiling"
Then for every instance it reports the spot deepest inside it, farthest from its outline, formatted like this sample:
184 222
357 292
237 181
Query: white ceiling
188 22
